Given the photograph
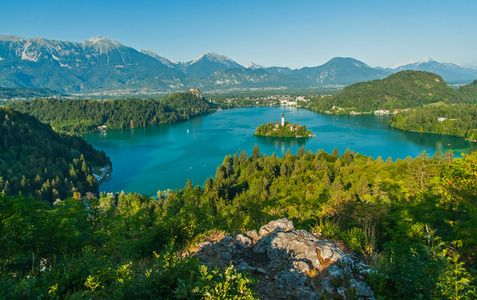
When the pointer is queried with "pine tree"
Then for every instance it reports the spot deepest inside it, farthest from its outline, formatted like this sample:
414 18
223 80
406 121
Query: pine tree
255 153
335 153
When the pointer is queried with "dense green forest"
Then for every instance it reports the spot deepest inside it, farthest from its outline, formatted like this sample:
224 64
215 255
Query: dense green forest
277 130
457 120
414 220
36 161
84 116
406 89
469 91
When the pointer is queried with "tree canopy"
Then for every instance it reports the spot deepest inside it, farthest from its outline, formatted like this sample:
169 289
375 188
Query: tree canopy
456 120
84 116
36 161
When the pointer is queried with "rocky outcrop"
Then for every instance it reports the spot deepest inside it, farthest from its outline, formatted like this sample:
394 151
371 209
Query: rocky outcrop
290 264
277 225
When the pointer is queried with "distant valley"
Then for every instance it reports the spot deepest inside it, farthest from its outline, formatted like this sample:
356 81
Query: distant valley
104 66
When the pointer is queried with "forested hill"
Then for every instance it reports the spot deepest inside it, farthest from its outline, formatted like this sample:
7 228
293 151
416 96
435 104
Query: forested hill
469 92
84 116
405 89
36 161
456 120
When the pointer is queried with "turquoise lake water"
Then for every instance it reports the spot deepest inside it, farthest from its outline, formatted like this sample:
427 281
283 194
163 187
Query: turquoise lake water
146 160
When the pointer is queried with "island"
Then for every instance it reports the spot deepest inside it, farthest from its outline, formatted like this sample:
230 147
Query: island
283 129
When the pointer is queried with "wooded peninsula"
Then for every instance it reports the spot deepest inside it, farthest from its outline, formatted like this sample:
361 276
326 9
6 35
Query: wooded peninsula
85 116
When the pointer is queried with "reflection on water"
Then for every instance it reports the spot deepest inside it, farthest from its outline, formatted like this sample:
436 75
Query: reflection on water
282 143
440 142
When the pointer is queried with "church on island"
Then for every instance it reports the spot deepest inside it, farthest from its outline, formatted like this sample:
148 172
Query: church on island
283 124
283 129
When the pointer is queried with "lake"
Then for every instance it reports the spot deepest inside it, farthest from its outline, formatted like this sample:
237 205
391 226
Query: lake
146 160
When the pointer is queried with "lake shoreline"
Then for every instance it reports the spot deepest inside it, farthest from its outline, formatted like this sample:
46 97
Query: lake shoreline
162 157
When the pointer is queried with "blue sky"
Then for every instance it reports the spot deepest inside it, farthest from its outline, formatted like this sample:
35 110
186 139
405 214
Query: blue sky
290 33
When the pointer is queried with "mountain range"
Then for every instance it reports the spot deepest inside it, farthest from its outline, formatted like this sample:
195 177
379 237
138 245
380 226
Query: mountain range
102 65
451 73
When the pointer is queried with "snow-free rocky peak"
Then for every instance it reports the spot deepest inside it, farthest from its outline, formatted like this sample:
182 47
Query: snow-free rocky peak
253 66
10 38
150 53
102 42
167 62
425 61
214 57
208 63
